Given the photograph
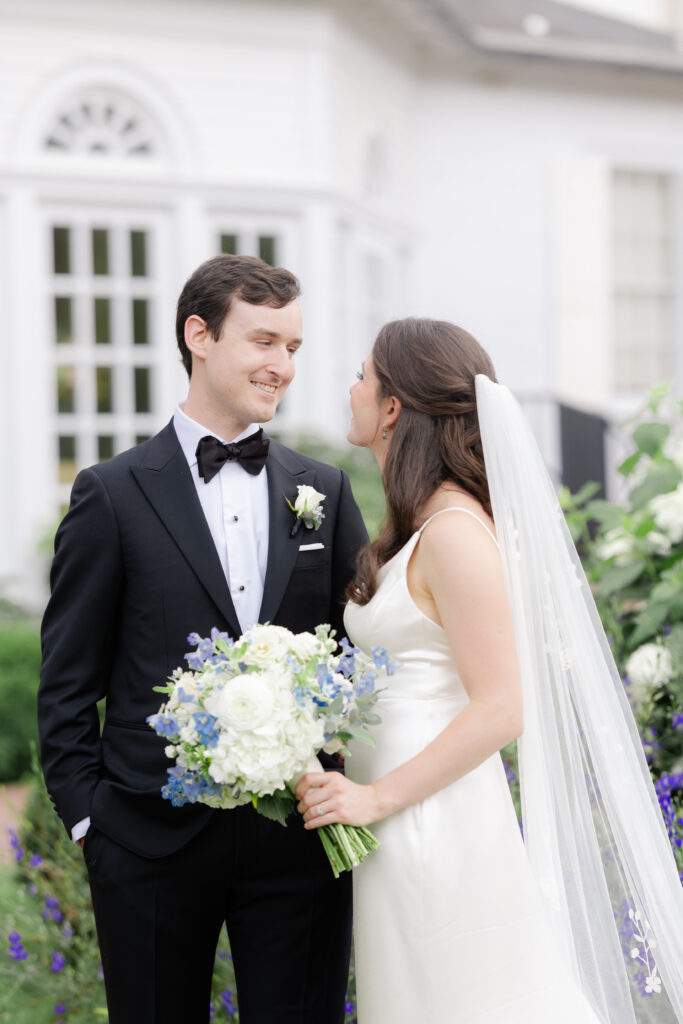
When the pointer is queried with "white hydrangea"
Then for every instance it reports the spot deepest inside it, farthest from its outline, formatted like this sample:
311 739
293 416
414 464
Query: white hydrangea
264 739
668 513
649 666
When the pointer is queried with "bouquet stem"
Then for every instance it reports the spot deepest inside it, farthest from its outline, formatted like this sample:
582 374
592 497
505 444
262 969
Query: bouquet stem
346 845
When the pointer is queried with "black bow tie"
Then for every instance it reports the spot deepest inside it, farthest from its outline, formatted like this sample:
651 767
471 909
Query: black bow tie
250 451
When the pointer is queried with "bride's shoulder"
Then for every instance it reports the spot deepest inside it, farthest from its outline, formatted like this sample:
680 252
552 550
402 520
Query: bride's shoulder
459 517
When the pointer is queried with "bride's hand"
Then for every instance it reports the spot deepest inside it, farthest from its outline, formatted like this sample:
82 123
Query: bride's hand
339 799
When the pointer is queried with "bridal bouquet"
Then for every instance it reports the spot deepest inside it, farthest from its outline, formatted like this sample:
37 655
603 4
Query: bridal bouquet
245 720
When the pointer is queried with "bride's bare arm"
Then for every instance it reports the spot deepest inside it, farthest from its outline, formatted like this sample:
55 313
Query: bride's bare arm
458 576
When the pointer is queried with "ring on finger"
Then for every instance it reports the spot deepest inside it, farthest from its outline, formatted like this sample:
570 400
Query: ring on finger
319 810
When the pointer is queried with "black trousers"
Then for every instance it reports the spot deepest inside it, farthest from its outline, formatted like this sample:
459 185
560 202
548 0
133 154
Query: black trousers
158 922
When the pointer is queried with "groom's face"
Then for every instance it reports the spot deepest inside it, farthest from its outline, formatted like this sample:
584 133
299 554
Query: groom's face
251 363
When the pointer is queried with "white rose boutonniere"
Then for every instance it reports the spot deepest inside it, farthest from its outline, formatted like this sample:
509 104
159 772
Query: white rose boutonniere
307 508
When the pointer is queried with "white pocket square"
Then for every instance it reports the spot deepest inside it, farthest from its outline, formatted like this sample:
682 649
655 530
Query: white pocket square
310 547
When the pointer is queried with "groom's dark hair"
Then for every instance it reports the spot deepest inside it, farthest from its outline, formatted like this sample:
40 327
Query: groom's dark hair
209 291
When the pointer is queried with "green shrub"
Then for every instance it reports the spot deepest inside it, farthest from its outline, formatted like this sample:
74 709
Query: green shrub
19 673
51 957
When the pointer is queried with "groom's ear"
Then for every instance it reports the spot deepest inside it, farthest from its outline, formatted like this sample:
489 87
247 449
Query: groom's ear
197 336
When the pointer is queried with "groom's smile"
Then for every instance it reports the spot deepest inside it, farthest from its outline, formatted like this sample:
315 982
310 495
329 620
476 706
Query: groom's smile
239 378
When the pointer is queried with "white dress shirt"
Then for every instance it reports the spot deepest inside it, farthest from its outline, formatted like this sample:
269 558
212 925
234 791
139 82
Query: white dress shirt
235 504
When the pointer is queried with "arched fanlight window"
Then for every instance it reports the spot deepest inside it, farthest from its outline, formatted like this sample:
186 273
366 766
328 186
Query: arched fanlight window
99 123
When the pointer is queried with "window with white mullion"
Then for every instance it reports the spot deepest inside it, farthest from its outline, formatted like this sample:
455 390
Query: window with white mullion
645 292
101 297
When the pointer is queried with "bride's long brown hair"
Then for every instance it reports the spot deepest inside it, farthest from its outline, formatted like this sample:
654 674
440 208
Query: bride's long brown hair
430 366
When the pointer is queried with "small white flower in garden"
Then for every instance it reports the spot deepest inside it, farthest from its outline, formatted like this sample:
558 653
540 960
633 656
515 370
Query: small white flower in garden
650 665
617 545
661 544
668 513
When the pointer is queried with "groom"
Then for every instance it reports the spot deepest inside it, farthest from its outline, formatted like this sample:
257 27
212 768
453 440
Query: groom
178 535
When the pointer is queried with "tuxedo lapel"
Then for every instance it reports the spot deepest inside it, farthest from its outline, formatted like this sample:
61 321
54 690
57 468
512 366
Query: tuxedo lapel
166 481
285 473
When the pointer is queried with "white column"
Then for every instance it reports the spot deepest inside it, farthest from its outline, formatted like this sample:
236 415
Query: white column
29 462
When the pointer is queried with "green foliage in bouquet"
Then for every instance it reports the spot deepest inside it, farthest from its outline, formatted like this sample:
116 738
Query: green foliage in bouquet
633 556
50 970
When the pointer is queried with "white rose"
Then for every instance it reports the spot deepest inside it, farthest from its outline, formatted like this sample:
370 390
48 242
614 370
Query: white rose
649 666
308 499
305 646
245 702
617 545
266 644
668 513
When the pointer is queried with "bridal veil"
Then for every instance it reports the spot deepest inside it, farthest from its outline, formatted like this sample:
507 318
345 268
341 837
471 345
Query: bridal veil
592 825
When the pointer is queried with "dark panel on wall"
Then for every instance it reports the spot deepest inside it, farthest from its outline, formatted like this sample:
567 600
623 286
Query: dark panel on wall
583 448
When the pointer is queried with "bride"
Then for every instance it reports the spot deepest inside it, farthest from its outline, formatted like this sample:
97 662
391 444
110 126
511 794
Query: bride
475 587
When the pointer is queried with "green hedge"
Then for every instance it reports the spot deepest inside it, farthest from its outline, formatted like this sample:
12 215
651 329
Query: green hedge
19 673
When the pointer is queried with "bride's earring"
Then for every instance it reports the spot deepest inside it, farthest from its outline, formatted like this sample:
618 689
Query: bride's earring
384 433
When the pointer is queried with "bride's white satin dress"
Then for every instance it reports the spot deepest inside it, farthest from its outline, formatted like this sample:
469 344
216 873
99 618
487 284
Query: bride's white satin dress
449 927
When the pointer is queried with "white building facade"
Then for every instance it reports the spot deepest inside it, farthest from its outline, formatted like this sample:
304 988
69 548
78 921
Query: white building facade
400 157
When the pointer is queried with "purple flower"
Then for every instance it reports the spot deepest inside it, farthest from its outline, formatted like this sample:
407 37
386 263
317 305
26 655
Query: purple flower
58 962
67 931
16 950
677 722
227 1002
16 845
35 861
60 1008
348 1006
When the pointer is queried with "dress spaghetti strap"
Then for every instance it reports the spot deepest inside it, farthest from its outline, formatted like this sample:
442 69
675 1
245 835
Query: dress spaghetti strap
459 508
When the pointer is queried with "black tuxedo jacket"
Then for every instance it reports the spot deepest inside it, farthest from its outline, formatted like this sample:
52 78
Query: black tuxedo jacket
135 571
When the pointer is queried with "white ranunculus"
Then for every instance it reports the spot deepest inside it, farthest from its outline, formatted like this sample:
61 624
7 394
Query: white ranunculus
308 499
649 666
245 702
668 513
617 545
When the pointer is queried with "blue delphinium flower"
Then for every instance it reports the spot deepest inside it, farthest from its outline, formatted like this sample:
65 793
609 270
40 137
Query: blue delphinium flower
60 1008
164 725
58 962
365 683
347 662
206 726
35 861
381 659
